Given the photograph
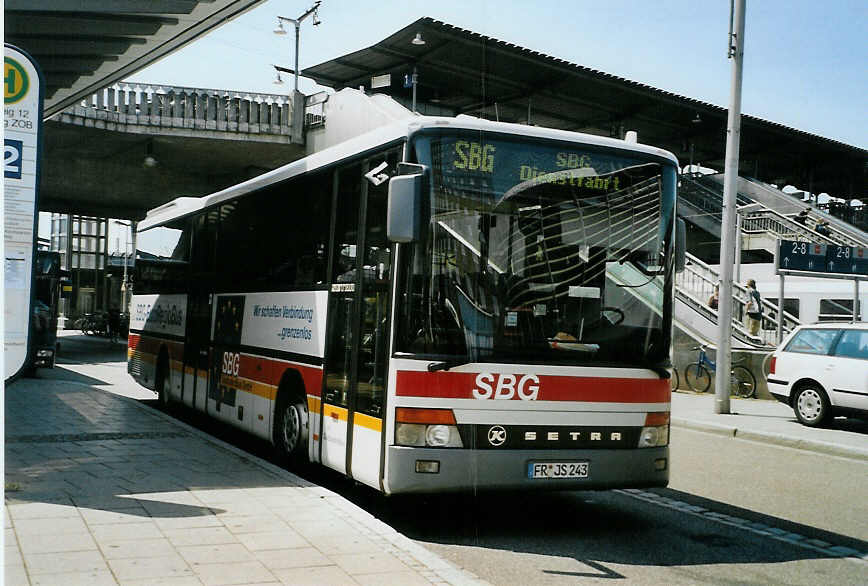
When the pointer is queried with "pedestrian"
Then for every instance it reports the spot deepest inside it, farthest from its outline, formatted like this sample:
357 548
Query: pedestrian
823 228
114 324
802 218
753 308
714 300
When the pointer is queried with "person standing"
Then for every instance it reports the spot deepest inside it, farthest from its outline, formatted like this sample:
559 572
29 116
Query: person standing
114 324
714 300
753 308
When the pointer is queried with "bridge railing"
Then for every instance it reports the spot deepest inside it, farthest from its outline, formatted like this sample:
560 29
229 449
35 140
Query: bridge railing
188 108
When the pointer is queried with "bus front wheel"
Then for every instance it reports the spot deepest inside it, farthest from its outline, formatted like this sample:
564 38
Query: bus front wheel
290 431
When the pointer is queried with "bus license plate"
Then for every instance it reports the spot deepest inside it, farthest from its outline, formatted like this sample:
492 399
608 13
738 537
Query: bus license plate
558 469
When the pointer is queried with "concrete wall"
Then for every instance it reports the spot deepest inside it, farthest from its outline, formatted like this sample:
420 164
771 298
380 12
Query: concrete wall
350 113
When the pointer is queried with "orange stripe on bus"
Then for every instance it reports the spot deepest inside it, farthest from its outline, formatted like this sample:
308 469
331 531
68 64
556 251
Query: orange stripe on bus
368 422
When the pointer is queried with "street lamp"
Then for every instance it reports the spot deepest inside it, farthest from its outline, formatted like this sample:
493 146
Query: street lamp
125 284
297 23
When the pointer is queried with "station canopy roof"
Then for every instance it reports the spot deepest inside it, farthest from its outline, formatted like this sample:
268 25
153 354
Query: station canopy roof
462 72
85 45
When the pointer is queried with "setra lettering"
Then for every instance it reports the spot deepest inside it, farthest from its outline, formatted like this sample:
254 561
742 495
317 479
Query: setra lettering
506 386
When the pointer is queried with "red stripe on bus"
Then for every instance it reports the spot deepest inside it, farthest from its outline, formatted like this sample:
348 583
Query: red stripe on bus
461 385
270 371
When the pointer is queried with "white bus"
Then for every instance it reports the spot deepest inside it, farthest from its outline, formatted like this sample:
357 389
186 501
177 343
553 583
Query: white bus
443 304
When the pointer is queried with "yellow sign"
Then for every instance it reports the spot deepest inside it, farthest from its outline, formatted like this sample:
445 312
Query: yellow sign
473 156
16 82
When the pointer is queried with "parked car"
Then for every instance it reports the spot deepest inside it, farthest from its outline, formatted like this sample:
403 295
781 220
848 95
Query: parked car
821 370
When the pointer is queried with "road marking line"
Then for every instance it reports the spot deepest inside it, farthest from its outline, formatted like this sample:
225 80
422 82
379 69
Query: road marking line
837 551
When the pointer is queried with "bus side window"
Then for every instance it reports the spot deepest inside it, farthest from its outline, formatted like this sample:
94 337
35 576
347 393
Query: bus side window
346 224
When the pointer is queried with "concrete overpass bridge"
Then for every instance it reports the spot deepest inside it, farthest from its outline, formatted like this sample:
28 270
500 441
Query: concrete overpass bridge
130 147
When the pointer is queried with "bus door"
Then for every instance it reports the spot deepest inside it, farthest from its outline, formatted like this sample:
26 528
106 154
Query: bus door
197 350
356 351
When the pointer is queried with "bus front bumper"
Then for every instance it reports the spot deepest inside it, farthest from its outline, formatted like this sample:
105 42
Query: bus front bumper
462 470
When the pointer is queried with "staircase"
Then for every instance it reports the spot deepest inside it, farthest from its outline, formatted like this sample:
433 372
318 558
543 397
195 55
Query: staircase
764 217
695 285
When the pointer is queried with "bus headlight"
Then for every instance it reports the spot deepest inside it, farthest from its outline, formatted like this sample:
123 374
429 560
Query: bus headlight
409 434
434 428
443 436
656 431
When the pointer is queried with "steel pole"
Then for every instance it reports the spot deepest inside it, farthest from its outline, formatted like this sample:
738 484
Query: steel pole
727 248
738 246
780 326
295 73
414 88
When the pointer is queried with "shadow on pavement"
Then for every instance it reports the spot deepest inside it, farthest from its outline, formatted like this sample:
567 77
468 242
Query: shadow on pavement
597 529
60 373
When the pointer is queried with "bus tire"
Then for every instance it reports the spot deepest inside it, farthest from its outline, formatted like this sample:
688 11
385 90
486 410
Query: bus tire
290 431
161 382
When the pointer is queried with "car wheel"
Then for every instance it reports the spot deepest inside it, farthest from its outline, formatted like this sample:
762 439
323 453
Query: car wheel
811 405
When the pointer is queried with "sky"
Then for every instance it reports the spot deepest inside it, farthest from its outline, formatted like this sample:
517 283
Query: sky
804 67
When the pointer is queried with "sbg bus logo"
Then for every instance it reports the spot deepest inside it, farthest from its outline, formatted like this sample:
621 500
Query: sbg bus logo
506 386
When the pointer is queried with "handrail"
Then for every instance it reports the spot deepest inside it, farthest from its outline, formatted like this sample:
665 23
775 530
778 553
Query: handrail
189 108
785 228
696 284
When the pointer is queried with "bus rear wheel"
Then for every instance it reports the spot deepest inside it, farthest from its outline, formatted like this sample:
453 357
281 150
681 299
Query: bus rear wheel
290 431
161 384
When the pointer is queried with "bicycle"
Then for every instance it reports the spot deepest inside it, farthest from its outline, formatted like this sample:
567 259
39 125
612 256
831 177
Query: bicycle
674 380
698 376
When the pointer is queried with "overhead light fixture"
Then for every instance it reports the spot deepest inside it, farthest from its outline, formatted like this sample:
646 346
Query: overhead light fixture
278 80
149 161
696 119
418 40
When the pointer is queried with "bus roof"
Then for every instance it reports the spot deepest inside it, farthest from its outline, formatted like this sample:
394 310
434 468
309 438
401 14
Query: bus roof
184 206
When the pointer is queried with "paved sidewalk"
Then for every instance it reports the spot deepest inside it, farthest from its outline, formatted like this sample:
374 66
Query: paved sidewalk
769 422
103 490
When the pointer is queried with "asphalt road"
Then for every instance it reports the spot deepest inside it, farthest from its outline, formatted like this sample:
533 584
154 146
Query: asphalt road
736 512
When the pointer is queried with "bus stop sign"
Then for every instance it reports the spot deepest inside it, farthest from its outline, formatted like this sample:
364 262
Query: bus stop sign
22 113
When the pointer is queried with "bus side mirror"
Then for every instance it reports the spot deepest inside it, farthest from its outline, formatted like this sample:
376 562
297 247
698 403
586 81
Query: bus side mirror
680 245
404 212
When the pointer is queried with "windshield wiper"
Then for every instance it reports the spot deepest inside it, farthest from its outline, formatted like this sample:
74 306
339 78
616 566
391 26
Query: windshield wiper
447 364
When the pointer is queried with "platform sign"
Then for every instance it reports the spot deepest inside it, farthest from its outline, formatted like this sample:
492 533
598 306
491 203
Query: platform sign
22 123
859 260
839 259
832 259
802 256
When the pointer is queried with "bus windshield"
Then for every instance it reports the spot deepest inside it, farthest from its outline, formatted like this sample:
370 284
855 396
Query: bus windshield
539 252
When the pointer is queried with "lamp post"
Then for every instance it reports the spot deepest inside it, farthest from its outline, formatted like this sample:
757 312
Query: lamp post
417 41
297 23
727 228
125 283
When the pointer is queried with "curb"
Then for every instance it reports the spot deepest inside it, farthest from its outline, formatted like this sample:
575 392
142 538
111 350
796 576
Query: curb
426 563
774 438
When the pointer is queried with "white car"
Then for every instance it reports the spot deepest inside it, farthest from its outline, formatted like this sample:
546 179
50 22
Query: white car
821 370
